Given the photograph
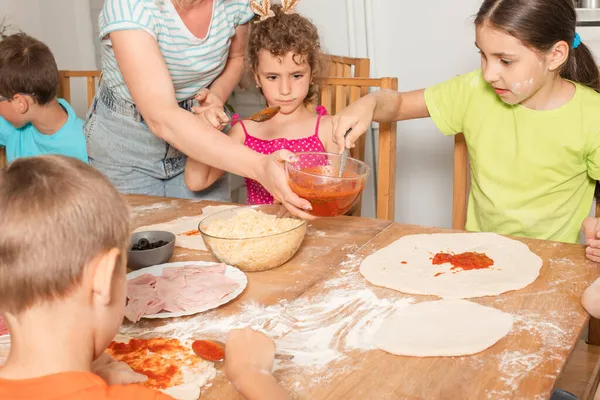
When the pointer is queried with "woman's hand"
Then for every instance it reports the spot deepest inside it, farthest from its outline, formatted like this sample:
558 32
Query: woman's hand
271 175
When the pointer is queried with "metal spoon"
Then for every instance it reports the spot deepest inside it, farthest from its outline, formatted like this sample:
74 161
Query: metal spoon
219 348
263 115
344 155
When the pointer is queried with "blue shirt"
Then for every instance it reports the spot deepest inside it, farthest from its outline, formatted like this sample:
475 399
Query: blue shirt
27 141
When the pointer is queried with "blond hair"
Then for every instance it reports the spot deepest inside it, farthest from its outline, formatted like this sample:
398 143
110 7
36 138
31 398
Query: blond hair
56 214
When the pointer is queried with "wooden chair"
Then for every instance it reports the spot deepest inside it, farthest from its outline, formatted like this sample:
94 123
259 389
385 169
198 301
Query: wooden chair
461 189
346 67
64 84
337 93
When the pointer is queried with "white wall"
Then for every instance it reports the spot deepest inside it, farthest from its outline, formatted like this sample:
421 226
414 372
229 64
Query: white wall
66 27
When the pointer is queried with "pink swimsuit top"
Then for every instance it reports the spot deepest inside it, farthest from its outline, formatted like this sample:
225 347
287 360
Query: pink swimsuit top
257 194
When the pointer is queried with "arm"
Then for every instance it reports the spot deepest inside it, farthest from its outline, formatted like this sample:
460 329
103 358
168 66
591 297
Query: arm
591 299
382 106
223 86
258 385
199 176
147 77
249 359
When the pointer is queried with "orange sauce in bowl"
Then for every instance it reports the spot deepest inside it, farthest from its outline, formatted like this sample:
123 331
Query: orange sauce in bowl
327 199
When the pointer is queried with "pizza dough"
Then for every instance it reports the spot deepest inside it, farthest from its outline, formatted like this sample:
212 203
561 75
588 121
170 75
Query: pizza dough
195 371
186 228
442 328
406 265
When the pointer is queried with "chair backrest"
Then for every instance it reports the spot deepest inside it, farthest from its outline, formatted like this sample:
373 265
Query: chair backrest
64 84
462 182
336 94
346 67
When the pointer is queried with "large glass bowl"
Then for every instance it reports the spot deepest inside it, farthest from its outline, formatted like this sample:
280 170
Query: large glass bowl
253 252
314 177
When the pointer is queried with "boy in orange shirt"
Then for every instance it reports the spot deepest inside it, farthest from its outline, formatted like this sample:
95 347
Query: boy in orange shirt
65 230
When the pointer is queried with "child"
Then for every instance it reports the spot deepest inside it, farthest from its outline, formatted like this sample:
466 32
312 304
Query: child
284 54
32 120
65 230
529 115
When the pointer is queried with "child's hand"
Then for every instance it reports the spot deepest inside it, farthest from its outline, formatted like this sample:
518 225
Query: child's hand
357 116
115 372
248 351
591 231
211 109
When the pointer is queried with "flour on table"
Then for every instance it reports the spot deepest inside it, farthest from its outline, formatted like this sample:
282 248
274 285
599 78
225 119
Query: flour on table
186 228
406 265
443 328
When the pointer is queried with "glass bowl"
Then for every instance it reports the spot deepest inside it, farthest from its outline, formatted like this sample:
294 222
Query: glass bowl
231 242
314 177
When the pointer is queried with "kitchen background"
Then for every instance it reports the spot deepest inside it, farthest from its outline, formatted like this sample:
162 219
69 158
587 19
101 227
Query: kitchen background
420 42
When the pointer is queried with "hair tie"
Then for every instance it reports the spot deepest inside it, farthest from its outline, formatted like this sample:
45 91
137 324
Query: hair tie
263 8
576 41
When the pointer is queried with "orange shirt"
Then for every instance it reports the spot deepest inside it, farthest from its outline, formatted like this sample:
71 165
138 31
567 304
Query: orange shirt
72 386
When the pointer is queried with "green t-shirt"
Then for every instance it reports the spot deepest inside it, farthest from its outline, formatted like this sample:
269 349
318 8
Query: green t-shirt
533 172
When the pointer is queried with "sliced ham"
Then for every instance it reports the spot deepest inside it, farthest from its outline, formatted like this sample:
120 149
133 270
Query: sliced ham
3 327
179 289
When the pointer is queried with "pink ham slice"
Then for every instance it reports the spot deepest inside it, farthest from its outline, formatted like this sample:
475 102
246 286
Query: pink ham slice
3 327
179 289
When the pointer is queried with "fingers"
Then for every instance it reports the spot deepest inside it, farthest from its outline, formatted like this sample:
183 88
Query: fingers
592 252
346 131
217 118
285 156
202 95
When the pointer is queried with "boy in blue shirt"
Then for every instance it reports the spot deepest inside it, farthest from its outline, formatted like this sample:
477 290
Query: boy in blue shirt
33 121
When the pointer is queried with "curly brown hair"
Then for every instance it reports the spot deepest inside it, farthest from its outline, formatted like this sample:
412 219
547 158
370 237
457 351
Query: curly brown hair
284 33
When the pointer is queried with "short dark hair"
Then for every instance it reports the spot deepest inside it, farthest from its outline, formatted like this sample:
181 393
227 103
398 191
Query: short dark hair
27 66
57 214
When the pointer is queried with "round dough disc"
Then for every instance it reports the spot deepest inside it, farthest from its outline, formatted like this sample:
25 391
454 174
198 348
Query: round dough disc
442 328
406 265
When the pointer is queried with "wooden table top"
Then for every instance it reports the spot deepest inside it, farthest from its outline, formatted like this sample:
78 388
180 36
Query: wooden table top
320 309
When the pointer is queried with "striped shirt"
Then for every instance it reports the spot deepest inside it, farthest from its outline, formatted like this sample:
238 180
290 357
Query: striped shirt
193 63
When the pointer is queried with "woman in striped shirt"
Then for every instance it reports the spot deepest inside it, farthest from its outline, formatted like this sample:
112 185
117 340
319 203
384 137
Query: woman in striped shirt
156 56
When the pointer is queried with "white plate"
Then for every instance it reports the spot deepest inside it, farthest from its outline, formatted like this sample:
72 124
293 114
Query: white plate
231 272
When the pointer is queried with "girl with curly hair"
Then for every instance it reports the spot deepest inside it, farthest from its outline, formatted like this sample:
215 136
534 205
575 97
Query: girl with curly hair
284 54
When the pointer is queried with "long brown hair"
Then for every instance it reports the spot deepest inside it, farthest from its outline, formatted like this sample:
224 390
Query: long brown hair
540 24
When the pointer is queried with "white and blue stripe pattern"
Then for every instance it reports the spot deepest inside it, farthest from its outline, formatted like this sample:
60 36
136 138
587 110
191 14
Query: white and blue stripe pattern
193 63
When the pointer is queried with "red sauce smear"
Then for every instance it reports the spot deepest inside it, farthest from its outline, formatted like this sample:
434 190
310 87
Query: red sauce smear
327 200
465 261
208 350
438 274
158 359
191 233
403 262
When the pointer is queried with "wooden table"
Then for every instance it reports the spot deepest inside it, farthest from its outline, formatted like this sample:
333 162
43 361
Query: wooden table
320 308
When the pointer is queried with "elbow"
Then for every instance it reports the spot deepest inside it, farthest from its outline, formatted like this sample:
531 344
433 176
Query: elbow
158 123
195 183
